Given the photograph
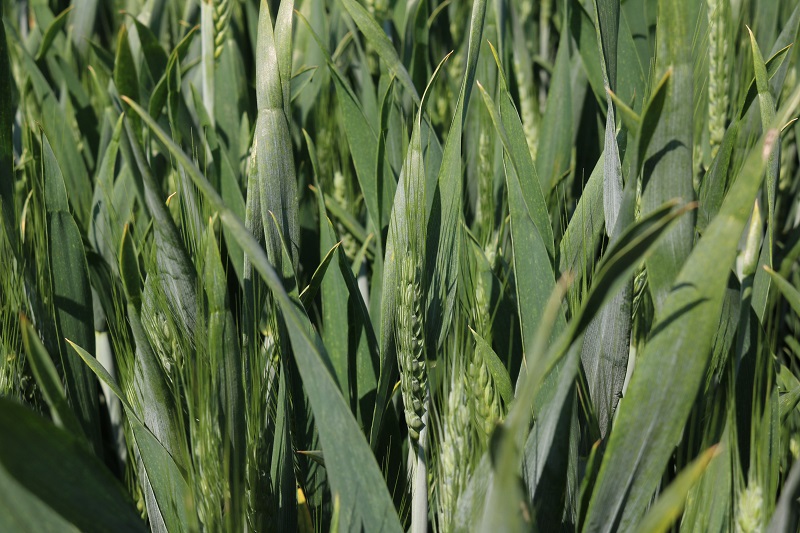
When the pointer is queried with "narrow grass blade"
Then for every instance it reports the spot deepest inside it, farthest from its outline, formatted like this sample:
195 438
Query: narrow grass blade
607 36
129 270
669 505
505 508
786 517
308 294
585 34
152 396
82 20
606 346
50 33
7 203
283 50
546 453
608 14
624 254
125 77
109 207
377 37
709 504
367 368
581 239
334 308
50 384
773 65
231 95
787 289
651 117
281 478
334 290
72 296
300 80
605 355
715 182
155 58
207 56
555 147
161 91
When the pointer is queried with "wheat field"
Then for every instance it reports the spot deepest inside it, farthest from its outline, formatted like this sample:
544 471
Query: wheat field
386 265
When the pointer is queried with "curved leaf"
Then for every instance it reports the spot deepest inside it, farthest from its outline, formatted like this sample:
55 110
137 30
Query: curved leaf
56 469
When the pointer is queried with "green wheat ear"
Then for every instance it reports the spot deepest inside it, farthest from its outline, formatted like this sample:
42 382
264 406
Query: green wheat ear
486 406
410 314
455 446
718 71
411 346
222 20
749 517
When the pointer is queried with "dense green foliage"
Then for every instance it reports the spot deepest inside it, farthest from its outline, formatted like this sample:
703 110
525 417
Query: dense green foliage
367 265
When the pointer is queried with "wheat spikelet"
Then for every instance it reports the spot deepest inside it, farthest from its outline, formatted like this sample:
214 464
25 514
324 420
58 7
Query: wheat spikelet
545 13
455 451
222 19
525 9
207 445
161 328
788 157
528 103
349 243
485 178
748 513
411 346
718 74
486 405
529 122
482 312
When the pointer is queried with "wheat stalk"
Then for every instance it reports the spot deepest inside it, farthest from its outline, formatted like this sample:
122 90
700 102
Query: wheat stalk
349 243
